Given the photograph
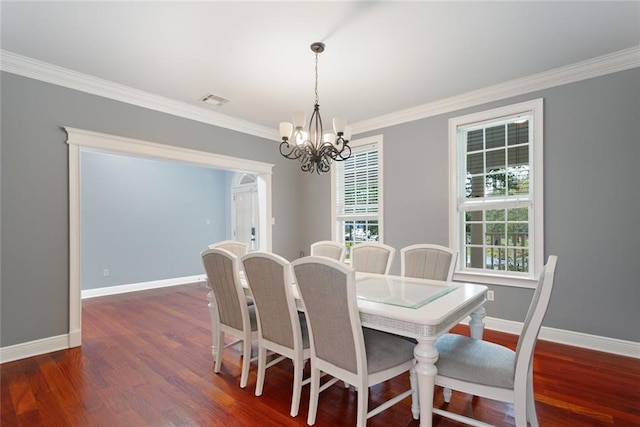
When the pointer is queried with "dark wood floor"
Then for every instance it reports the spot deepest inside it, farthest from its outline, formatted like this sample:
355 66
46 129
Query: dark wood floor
146 361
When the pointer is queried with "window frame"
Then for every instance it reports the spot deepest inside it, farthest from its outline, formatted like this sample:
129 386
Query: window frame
359 145
457 179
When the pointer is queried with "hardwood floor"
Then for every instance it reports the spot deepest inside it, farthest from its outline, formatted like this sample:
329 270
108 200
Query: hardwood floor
146 361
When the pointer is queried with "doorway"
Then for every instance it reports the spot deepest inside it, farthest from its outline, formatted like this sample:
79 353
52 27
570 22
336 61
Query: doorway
79 140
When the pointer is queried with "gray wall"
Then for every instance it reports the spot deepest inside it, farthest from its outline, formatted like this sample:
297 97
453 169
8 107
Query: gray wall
143 219
592 197
592 201
35 197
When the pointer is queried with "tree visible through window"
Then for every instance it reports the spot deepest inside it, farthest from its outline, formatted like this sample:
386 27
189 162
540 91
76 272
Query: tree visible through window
498 190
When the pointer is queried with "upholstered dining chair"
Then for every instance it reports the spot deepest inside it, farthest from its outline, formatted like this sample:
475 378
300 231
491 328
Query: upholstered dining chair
428 261
340 346
233 315
237 248
329 249
372 257
281 328
490 370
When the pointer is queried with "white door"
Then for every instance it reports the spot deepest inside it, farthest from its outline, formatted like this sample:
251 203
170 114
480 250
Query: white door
244 213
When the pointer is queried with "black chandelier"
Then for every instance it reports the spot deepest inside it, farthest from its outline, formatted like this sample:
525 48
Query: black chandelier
312 147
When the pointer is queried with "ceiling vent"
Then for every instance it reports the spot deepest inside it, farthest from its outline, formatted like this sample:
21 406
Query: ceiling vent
214 99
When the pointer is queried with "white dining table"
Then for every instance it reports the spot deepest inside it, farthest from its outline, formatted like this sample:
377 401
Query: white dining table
424 310
415 308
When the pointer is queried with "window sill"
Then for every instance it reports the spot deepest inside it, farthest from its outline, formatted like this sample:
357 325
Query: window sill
487 279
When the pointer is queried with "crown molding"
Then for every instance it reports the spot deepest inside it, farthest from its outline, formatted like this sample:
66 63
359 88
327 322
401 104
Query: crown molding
28 67
611 63
607 64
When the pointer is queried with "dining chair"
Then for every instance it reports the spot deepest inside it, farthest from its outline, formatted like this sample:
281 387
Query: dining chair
282 329
237 248
372 257
428 261
493 371
329 249
233 316
340 346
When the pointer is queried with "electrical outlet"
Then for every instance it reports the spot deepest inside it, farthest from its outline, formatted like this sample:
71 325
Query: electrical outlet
490 295
105 272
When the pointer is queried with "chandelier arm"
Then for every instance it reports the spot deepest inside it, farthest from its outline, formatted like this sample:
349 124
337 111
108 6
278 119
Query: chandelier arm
290 151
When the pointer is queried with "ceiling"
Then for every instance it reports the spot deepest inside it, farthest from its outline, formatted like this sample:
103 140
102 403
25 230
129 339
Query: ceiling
380 58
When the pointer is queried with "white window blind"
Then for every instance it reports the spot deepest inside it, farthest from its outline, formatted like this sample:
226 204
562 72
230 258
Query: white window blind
357 194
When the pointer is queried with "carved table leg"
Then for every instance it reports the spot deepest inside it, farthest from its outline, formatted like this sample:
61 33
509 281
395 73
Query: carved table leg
426 355
476 325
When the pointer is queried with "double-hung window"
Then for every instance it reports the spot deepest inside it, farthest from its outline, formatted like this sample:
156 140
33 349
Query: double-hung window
357 194
496 198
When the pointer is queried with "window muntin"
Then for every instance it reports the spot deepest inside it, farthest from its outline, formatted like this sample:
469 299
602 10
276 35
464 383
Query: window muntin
357 189
497 192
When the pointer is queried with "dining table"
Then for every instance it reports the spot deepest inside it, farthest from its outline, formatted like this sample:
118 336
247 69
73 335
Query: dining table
421 309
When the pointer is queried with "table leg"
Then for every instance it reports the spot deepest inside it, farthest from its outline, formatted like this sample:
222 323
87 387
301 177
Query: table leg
426 356
214 321
476 325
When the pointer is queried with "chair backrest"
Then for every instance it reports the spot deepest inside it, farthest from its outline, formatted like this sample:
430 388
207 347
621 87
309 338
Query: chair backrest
327 289
427 261
329 249
533 320
222 269
237 248
372 257
270 279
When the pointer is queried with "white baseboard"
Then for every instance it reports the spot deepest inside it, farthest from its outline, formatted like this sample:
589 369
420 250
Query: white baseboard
142 286
74 338
576 339
34 348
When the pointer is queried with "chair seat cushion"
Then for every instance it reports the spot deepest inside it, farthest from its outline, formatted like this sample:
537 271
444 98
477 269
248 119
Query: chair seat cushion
475 361
385 350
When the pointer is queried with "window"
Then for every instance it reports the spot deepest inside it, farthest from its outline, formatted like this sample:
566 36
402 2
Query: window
357 194
496 206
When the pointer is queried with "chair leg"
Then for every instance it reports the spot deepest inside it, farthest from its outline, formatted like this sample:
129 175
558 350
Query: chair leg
218 343
447 394
363 399
314 393
532 417
246 361
262 366
415 399
297 388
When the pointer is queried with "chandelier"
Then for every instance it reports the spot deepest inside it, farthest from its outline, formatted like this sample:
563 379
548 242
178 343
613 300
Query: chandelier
313 148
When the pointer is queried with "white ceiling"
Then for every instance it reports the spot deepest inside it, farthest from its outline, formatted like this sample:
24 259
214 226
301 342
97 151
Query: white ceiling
380 58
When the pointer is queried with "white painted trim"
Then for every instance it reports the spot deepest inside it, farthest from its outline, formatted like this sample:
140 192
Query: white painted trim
571 338
28 67
105 142
34 348
607 64
141 286
79 139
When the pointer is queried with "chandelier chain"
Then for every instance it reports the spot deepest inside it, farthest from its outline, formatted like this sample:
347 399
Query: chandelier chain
317 99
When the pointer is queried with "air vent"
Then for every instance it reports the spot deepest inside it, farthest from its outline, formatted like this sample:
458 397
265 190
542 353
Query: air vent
214 99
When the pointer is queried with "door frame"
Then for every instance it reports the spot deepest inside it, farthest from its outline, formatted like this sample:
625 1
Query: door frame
83 140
